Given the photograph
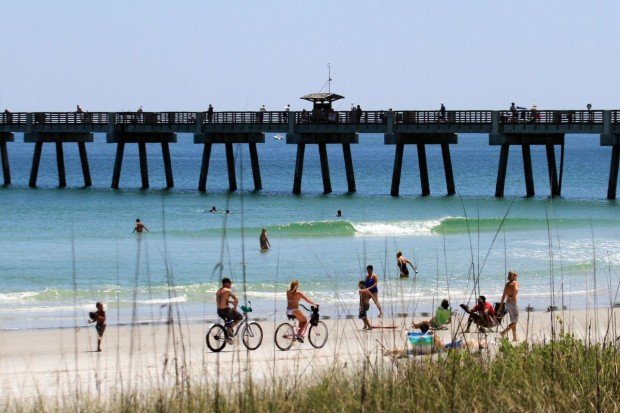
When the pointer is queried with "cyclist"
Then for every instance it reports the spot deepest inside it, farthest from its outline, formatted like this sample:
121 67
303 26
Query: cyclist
224 297
293 296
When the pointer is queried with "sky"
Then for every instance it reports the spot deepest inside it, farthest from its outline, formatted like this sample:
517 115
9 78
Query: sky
237 55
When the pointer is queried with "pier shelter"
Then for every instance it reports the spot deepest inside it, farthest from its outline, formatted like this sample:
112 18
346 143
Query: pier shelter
322 126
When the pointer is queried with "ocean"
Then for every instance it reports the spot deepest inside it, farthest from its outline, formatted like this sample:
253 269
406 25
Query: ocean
61 250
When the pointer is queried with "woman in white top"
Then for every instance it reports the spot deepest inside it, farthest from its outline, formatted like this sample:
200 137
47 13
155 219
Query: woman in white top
293 296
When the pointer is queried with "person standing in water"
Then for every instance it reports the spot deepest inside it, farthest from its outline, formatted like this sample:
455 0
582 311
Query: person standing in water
98 317
371 282
264 241
402 262
140 226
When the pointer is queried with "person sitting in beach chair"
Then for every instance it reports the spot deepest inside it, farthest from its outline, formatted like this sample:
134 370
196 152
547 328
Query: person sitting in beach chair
428 343
443 316
482 314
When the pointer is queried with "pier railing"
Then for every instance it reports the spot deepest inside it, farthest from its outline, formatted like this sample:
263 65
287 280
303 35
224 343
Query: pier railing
464 117
155 118
18 118
316 117
70 118
246 117
405 117
552 117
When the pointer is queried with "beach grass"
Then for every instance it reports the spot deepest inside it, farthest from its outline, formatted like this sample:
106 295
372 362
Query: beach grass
566 374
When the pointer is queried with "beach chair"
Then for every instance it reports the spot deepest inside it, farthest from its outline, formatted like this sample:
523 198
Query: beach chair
499 315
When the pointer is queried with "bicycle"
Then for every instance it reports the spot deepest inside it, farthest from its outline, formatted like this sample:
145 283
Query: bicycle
286 333
252 333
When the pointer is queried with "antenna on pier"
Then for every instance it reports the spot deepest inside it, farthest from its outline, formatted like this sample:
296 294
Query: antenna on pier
329 77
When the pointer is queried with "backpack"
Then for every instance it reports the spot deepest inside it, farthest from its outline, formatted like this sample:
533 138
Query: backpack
314 318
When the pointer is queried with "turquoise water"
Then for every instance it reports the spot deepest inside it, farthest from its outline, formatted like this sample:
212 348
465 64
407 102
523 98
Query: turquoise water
61 250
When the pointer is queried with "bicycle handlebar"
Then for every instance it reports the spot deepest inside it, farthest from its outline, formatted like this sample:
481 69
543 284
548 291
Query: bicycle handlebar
306 308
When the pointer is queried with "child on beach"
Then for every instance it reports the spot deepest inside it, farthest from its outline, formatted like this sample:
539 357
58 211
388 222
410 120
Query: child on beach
365 297
99 317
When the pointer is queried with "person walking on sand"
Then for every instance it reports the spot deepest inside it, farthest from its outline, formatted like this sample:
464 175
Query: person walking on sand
98 317
293 297
402 262
140 227
510 297
371 283
264 241
365 297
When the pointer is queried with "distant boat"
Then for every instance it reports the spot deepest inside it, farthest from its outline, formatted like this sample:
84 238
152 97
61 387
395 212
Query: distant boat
278 137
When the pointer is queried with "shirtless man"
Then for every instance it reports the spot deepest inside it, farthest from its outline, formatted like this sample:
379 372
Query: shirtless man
140 226
510 296
402 262
365 297
99 317
371 282
224 297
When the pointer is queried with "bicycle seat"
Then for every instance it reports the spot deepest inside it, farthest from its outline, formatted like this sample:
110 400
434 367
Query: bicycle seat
291 317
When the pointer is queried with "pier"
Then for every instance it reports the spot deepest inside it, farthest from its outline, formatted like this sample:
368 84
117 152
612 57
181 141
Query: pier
318 126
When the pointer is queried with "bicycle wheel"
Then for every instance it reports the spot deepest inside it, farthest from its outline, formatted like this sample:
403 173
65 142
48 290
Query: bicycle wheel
216 338
252 335
284 336
317 335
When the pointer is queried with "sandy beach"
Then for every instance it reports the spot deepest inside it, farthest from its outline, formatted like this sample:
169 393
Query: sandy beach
60 363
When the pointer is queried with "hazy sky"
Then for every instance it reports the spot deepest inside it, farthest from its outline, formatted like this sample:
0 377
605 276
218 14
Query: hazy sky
183 55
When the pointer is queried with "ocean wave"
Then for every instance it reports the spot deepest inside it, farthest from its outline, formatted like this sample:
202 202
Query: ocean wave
17 297
179 299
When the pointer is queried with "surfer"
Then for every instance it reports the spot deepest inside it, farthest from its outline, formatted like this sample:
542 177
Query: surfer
339 213
402 262
264 241
213 209
140 226
99 317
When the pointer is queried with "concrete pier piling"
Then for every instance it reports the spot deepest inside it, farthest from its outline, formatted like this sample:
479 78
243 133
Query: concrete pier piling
4 153
58 139
612 140
322 140
420 140
142 138
229 139
525 141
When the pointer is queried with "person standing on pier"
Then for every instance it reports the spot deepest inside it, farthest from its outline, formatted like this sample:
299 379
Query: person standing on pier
99 317
371 282
287 109
510 297
140 227
513 113
358 114
210 113
442 113
590 115
261 113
